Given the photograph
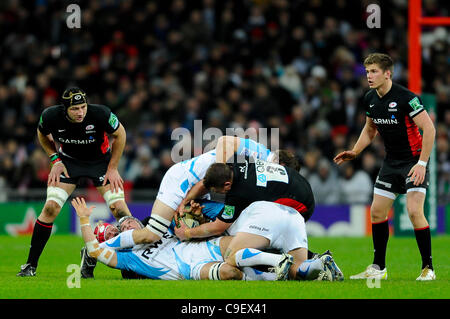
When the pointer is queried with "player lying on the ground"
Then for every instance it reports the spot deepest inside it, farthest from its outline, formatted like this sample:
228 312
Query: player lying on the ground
178 180
171 259
245 182
256 229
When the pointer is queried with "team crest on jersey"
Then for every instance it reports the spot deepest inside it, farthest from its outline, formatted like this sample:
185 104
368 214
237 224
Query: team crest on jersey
90 129
415 103
392 106
228 212
113 121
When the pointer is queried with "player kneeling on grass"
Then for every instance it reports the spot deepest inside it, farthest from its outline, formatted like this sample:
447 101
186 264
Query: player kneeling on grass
168 258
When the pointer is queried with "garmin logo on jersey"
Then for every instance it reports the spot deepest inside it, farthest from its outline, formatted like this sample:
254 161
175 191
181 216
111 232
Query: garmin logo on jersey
67 141
385 121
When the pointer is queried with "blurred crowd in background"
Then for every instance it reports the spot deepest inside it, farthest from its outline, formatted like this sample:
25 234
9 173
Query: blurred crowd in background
159 65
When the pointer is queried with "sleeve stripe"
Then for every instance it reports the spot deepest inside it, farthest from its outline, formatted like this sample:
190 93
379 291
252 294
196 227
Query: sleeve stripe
414 113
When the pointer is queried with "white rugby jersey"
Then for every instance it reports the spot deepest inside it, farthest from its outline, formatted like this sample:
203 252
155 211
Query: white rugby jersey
195 168
169 258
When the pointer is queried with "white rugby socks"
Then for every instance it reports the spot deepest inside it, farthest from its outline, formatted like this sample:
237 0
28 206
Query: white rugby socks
253 257
251 274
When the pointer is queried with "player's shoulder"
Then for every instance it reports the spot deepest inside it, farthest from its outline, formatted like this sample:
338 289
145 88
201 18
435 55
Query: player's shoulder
369 94
403 92
99 112
54 110
50 116
369 97
99 109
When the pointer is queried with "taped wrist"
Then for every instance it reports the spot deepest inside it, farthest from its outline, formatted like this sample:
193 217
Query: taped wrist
84 221
158 225
103 255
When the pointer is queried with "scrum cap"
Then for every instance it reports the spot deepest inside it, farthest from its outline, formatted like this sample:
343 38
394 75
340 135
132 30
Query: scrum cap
73 96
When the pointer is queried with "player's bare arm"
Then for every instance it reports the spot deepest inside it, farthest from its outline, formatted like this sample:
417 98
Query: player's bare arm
112 174
226 147
424 122
58 167
366 137
104 255
197 191
205 230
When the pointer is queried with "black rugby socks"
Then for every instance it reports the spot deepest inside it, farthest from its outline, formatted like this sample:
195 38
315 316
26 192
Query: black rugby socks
423 238
41 234
380 236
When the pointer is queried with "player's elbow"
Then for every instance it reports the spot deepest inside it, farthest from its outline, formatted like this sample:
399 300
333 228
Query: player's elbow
429 129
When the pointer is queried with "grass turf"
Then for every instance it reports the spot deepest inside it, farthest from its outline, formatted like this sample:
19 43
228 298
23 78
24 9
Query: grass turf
351 254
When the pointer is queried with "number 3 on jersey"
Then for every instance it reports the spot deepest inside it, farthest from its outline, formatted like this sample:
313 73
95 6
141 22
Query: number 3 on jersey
266 171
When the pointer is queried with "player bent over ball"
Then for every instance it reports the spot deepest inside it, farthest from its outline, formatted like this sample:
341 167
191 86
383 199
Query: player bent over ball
180 178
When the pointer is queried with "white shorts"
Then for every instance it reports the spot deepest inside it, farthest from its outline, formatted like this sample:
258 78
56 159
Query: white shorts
283 226
170 192
192 256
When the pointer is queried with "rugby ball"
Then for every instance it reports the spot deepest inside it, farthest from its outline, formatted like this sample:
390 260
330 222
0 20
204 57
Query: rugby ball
189 220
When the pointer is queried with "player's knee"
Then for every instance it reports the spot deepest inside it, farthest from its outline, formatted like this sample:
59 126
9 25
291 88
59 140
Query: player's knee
115 201
56 197
228 272
231 259
51 210
223 271
377 215
414 213
119 209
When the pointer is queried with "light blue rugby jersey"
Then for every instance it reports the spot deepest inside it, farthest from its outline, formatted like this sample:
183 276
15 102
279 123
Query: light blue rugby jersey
168 258
196 167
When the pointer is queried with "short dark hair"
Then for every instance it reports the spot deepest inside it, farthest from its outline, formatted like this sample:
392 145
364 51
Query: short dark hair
383 60
288 159
217 175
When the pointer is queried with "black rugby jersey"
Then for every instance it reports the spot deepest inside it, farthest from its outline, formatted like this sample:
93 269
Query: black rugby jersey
393 115
258 180
86 141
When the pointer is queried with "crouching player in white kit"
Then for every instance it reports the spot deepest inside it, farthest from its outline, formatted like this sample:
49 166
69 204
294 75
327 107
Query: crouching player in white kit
170 259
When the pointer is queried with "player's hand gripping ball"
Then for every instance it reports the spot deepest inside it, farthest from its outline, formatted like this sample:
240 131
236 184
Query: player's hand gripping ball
189 220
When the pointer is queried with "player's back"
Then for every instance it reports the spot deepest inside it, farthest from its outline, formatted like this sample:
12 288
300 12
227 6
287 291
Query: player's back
266 181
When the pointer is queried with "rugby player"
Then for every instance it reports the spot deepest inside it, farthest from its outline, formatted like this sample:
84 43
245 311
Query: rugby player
277 201
178 180
80 131
169 259
396 114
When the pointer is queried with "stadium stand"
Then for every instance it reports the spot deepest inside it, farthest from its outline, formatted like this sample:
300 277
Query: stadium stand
159 65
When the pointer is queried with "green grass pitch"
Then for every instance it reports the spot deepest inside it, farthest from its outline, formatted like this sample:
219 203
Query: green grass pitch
351 254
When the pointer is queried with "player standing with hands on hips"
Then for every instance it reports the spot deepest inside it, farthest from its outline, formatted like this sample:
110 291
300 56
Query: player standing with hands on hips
397 114
81 131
